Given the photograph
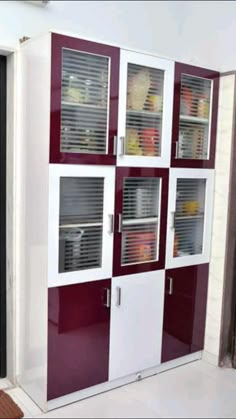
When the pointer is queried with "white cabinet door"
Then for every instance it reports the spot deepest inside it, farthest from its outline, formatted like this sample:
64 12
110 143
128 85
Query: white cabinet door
81 208
145 110
136 323
189 217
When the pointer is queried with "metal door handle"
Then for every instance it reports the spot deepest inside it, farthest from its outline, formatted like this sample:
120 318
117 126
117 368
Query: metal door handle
111 223
170 291
120 219
122 146
114 145
118 300
172 226
177 149
107 302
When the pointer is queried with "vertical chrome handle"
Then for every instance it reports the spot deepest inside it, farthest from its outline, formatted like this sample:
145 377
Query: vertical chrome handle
118 299
172 225
122 146
107 302
120 223
114 145
177 149
111 223
170 292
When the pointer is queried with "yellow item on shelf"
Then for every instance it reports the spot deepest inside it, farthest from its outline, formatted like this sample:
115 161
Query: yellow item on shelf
138 87
132 143
73 94
155 103
191 207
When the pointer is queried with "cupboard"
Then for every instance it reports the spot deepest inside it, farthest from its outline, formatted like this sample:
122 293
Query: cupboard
115 237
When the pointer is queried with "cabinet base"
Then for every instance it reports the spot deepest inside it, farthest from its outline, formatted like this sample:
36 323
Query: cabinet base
110 385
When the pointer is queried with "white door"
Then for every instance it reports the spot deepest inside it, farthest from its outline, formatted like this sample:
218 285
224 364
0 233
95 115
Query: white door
145 110
136 323
189 217
81 208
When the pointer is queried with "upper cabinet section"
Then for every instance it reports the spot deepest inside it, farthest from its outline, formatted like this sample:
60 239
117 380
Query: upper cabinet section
195 117
145 110
84 101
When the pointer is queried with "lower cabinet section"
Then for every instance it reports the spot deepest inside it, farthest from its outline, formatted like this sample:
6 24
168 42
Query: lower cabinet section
184 311
136 323
78 336
109 329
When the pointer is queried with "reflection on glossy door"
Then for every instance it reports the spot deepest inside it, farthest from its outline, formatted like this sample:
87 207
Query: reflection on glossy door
78 336
184 311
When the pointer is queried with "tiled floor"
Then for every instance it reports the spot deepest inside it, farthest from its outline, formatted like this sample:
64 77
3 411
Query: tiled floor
193 390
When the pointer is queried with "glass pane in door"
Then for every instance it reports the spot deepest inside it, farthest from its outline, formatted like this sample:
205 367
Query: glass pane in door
194 123
84 102
140 220
144 111
81 223
189 217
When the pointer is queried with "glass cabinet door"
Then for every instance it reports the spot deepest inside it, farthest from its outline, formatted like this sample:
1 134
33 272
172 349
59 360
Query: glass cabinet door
139 210
194 120
81 208
81 222
145 110
194 117
189 217
84 104
84 101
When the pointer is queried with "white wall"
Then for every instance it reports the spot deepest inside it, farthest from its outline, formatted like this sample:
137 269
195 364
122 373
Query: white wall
198 32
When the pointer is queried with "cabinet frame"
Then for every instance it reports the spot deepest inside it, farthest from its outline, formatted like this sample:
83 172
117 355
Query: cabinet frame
204 257
65 278
121 173
180 69
129 57
58 42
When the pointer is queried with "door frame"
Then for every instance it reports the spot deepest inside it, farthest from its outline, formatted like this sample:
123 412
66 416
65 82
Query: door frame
3 102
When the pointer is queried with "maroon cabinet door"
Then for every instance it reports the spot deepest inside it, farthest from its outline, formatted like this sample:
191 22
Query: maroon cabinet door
194 117
78 336
184 311
140 220
84 101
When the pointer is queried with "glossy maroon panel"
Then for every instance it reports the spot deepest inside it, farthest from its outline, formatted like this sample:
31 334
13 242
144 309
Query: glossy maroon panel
184 311
78 337
121 173
204 73
58 43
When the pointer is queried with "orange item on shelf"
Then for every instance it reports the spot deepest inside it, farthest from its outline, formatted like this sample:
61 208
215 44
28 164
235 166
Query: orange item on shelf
150 138
176 243
186 101
142 245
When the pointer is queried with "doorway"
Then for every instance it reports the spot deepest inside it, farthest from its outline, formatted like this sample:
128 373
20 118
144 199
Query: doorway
3 81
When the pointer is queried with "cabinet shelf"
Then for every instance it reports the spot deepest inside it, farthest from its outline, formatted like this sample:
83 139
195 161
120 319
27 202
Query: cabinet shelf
143 113
82 105
80 225
134 221
189 217
194 119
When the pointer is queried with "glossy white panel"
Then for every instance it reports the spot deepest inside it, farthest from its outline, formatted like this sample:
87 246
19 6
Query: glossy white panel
204 257
136 323
105 271
33 126
167 66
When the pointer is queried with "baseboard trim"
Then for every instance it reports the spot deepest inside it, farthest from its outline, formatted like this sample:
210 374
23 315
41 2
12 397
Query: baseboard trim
110 385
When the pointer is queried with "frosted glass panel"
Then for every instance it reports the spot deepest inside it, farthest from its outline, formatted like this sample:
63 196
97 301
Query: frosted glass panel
84 106
140 219
81 223
194 124
189 217
144 111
